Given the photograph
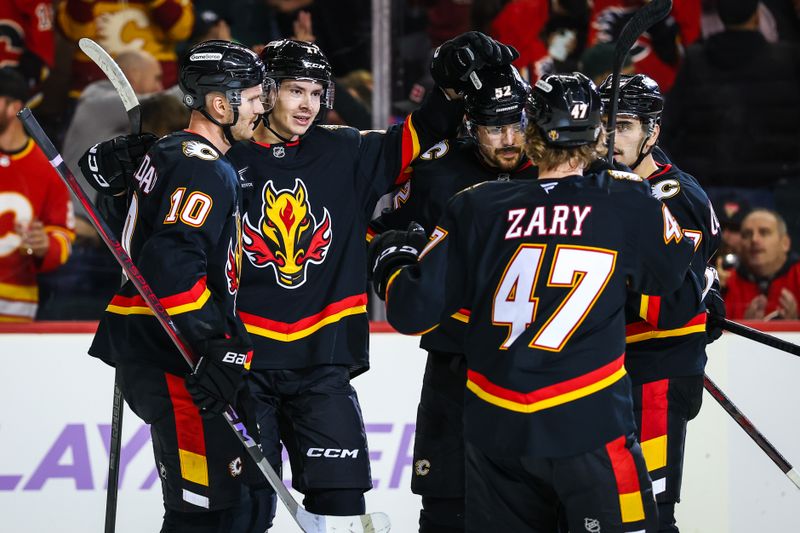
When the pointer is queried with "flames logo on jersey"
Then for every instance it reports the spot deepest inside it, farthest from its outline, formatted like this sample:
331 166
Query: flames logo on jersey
233 264
287 237
199 150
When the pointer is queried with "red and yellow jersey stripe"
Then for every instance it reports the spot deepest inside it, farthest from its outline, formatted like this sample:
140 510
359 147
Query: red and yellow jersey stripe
653 434
642 331
409 151
550 396
292 331
184 302
627 477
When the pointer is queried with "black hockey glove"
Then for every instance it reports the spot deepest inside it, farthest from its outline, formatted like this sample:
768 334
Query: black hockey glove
600 164
391 250
217 378
109 166
715 306
664 37
455 60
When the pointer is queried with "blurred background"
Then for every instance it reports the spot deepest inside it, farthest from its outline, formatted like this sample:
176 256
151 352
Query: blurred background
730 70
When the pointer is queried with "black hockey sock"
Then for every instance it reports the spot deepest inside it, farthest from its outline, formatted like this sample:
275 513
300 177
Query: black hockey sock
441 515
666 518
336 502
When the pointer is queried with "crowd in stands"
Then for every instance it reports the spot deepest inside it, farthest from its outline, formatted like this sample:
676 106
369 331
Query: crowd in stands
730 70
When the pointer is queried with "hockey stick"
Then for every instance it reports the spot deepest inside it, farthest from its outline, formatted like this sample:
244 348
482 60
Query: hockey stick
751 430
756 335
639 23
308 522
117 79
128 96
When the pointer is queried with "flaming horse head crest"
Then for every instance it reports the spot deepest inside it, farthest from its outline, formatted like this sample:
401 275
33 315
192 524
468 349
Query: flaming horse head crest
287 237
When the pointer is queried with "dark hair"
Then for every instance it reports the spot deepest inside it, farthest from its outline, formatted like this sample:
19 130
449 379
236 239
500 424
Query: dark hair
735 12
13 85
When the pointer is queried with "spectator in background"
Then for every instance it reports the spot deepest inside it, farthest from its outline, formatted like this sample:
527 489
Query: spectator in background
153 26
731 210
658 52
208 26
99 113
26 41
597 62
342 28
518 23
35 211
766 285
733 118
82 288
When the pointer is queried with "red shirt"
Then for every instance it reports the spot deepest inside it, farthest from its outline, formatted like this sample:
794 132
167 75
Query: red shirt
742 287
30 189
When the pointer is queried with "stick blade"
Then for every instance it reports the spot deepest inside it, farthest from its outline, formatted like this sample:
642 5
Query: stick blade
365 523
112 71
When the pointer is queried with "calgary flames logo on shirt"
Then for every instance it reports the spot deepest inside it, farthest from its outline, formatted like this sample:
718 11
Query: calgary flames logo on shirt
233 265
288 237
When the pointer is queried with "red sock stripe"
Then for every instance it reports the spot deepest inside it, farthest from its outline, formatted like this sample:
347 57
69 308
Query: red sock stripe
188 424
624 467
654 409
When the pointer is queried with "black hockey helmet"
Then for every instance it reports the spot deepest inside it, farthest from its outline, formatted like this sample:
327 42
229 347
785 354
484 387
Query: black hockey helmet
501 99
224 67
299 60
567 108
639 95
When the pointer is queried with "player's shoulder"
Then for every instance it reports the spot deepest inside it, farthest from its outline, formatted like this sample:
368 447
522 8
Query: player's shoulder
446 150
493 195
619 183
671 183
185 156
333 133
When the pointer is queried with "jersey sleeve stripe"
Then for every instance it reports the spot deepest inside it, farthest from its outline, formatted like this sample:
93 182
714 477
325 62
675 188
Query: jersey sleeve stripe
288 332
189 431
649 308
409 150
462 315
642 331
21 293
550 396
191 300
627 476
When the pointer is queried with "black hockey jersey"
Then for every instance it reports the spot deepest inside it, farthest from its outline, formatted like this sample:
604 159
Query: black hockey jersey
304 300
183 232
447 168
544 266
666 334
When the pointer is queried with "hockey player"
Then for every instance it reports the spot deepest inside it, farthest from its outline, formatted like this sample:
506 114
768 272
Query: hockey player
183 232
493 151
313 191
666 335
547 414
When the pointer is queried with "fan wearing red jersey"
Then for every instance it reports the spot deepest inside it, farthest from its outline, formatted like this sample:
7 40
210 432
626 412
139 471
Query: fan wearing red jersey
36 220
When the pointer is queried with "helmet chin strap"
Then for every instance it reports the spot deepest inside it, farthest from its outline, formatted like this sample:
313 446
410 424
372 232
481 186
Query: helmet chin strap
226 128
642 152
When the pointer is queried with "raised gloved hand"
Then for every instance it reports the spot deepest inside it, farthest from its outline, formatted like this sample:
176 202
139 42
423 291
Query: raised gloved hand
217 378
455 61
601 163
109 166
715 306
391 250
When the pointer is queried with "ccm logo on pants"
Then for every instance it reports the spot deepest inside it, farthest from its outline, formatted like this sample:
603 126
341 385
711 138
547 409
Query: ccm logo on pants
332 453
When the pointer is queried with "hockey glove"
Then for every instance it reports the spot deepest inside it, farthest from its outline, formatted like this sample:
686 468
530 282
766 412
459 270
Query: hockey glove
715 306
600 164
217 378
109 166
392 250
455 60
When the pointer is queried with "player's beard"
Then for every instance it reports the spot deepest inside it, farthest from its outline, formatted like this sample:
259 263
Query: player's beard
497 160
